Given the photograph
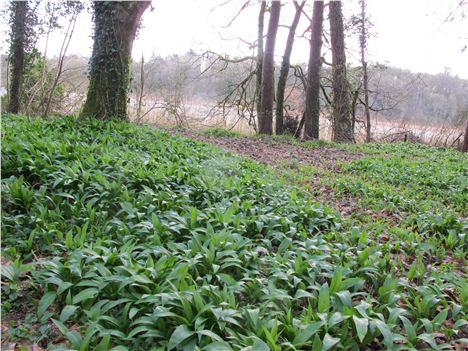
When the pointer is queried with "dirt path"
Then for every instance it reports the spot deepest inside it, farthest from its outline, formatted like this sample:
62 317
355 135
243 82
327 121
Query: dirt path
281 153
275 152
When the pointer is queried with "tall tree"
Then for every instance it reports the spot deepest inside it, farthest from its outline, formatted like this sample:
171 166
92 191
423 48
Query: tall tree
72 9
312 109
258 88
265 125
365 77
342 126
284 71
17 52
115 26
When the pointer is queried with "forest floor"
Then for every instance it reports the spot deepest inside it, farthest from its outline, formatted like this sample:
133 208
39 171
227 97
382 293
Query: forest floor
324 168
381 188
289 156
122 237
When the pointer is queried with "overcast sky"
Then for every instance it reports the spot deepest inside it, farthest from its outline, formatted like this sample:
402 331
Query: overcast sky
409 34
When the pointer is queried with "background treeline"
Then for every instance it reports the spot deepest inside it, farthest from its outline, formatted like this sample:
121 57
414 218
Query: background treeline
396 94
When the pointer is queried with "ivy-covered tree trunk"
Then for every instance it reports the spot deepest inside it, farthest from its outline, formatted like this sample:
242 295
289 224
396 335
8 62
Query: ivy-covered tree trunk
284 71
17 54
115 26
342 126
312 110
265 123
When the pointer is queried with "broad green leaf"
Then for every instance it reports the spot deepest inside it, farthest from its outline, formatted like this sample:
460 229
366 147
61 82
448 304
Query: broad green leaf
429 339
317 344
260 345
85 295
324 299
180 334
45 302
361 325
217 346
329 341
67 312
307 333
336 281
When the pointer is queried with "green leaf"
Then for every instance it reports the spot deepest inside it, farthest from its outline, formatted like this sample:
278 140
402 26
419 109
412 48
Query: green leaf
45 302
210 334
336 281
260 345
67 312
317 345
284 245
324 299
119 348
429 339
361 325
386 332
85 295
104 344
180 334
217 346
328 342
409 328
441 317
307 333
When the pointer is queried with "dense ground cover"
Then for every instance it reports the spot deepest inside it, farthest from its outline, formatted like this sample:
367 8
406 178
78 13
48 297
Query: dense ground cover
122 237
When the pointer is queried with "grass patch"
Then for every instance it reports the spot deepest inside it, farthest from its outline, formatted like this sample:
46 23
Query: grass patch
220 132
132 239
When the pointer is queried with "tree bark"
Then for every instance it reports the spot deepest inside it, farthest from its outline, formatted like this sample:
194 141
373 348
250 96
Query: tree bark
465 139
312 110
141 88
261 22
266 109
365 77
115 26
17 54
342 128
284 71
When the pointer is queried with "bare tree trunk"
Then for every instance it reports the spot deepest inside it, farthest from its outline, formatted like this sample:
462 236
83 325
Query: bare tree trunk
465 139
141 88
342 128
258 88
312 110
268 80
365 77
115 28
284 71
63 52
17 54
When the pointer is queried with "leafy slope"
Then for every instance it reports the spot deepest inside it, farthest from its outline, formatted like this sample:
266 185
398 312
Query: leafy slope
134 239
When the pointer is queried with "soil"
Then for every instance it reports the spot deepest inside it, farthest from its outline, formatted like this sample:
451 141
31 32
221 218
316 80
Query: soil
273 152
276 153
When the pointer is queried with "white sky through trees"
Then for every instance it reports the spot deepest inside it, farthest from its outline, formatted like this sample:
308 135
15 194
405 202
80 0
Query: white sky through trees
412 34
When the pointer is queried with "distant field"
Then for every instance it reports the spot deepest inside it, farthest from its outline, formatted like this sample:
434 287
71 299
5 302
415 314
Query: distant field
199 115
